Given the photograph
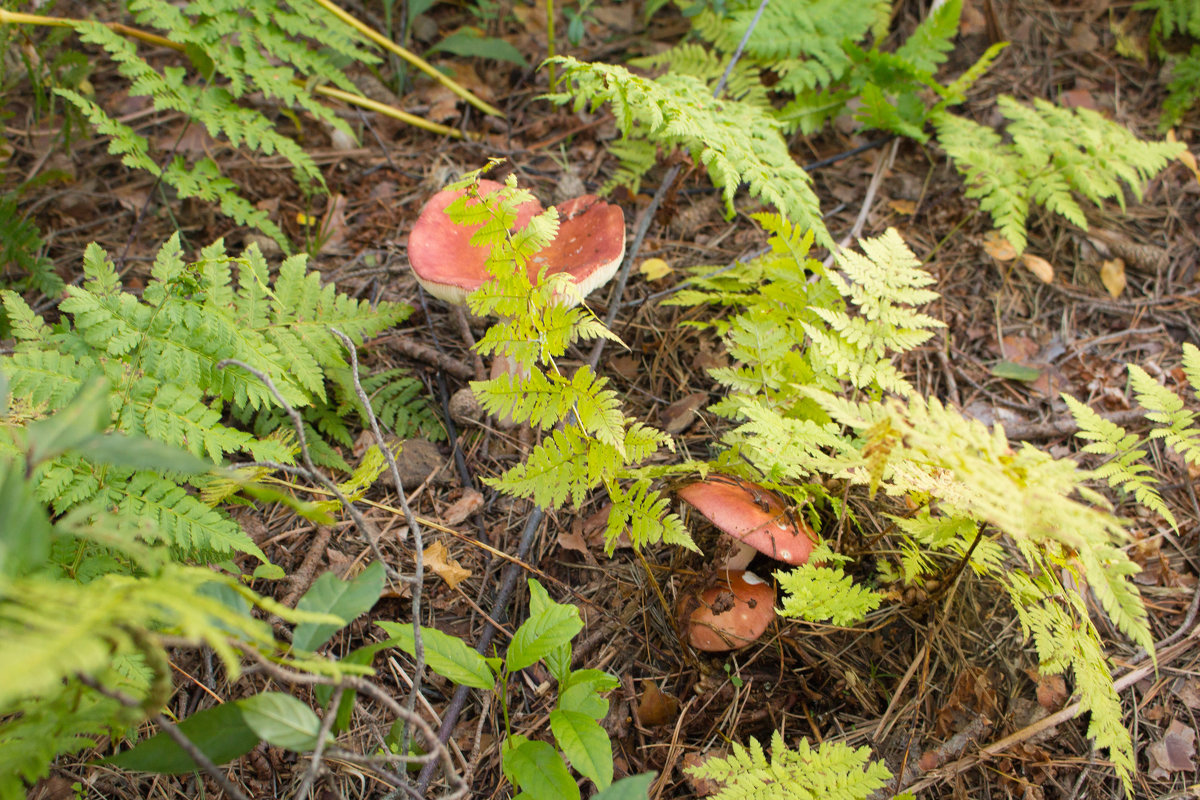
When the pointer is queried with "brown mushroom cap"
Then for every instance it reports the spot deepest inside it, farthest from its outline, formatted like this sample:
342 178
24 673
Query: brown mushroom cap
732 614
589 246
754 516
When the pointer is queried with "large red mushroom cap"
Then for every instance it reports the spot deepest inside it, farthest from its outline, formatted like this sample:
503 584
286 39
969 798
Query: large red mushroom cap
589 246
752 515
440 251
731 614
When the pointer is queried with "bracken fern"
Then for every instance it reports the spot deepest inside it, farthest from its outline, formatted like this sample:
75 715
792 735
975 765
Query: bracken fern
1055 153
160 356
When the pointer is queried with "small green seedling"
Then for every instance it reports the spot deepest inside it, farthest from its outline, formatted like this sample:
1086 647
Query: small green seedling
537 769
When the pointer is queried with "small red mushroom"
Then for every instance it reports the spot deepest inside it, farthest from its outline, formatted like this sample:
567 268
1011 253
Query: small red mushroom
753 517
730 615
589 246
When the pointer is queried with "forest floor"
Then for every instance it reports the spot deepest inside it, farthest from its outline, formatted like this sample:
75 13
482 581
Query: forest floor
942 671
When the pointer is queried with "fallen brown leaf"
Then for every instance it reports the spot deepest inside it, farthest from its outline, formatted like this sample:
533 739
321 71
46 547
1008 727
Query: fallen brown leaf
1112 275
677 417
1187 157
1039 266
438 559
998 247
470 502
1052 692
1020 349
573 540
1173 752
972 20
1189 694
1078 98
333 224
655 707
1082 40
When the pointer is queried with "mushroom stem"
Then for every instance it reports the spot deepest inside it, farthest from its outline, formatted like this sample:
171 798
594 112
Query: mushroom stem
740 557
464 328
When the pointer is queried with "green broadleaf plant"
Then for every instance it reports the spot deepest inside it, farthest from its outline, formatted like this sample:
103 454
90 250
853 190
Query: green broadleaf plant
348 600
534 767
281 720
220 732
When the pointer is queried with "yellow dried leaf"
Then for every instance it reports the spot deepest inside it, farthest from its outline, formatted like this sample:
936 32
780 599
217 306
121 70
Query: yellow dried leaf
1039 266
1187 157
903 206
1112 274
654 268
438 559
999 248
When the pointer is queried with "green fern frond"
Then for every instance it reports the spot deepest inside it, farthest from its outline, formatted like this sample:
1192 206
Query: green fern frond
21 247
735 141
744 83
25 324
544 400
786 449
280 51
47 378
591 442
1175 425
635 158
993 172
809 28
1184 89
903 114
647 517
884 284
820 594
1126 469
1065 639
831 771
1055 153
194 530
1032 498
926 49
1191 366
1172 16
160 354
956 91
565 464
397 399
927 532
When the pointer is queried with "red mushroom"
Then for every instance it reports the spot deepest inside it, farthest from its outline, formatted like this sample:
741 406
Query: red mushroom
730 615
589 246
753 517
